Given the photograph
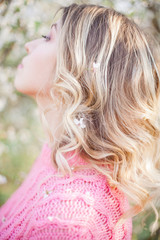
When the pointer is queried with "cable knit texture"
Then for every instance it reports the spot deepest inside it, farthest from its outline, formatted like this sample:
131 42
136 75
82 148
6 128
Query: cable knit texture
46 206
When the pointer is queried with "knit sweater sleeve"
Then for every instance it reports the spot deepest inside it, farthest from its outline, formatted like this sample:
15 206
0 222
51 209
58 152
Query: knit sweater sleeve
66 219
78 209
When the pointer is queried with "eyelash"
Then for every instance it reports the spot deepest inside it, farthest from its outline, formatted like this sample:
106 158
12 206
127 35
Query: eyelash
46 37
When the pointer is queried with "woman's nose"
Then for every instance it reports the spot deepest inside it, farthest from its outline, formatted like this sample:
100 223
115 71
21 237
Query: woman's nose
31 45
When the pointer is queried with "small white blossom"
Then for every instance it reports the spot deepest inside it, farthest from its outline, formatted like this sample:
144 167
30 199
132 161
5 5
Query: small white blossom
3 102
69 190
46 193
79 122
87 193
50 218
96 65
3 179
3 219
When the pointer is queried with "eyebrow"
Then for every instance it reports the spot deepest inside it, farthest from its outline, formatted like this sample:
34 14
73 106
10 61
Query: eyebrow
54 24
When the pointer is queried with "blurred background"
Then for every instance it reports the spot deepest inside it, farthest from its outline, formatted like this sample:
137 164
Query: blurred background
21 132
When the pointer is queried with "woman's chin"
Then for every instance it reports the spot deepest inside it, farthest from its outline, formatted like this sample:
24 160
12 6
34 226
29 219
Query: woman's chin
18 84
21 87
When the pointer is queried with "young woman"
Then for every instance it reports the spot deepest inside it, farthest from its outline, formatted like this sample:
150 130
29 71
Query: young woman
96 80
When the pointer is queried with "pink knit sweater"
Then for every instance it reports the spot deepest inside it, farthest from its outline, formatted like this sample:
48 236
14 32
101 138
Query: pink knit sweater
46 206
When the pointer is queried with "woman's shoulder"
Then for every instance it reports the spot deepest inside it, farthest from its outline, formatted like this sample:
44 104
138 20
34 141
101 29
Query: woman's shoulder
85 182
83 201
83 205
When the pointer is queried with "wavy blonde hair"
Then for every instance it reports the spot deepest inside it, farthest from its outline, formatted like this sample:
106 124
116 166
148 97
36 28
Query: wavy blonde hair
119 101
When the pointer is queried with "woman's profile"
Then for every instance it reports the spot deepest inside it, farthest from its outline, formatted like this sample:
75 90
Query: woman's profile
96 81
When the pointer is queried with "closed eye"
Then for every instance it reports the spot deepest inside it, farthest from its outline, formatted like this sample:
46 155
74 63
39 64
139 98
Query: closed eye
46 37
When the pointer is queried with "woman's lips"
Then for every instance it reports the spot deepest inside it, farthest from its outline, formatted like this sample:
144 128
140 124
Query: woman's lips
20 65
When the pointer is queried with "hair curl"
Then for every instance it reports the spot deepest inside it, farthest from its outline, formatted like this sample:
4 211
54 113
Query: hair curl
119 102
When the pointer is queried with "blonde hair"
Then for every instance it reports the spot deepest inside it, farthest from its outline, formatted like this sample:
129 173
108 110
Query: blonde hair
119 101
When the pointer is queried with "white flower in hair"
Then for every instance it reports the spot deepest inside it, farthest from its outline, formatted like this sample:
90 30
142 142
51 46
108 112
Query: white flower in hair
79 122
96 65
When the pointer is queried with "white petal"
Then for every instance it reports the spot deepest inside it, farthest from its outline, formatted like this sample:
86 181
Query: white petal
69 190
76 121
87 193
3 179
45 196
3 219
96 65
50 218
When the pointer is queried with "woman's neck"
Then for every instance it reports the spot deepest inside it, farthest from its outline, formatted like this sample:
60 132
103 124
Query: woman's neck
53 116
